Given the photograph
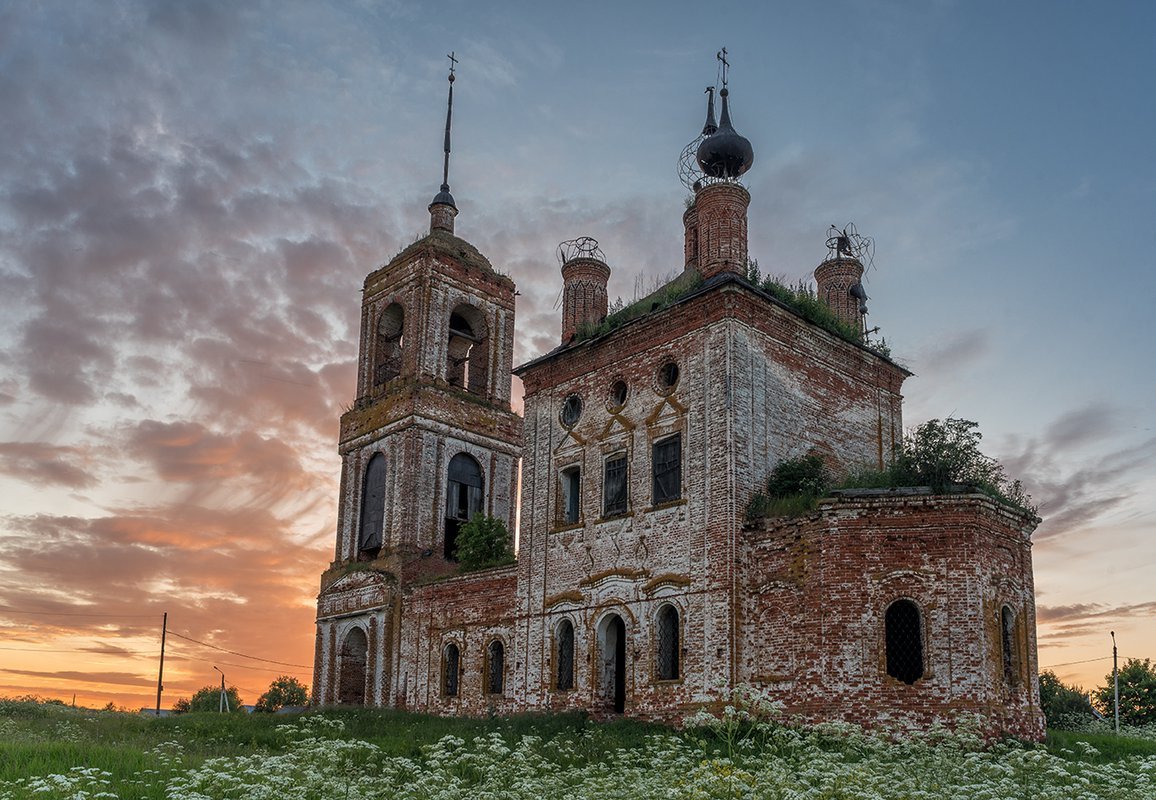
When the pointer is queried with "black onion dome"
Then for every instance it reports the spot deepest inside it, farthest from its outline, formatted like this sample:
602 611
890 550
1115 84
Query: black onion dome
444 197
725 153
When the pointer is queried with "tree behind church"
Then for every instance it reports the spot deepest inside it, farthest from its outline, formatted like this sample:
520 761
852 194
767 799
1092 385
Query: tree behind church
285 690
1137 693
1065 707
208 698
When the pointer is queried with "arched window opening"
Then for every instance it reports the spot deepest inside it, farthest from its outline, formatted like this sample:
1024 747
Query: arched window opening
451 664
1007 631
668 643
467 353
495 668
372 507
564 656
388 346
571 494
351 675
904 630
464 497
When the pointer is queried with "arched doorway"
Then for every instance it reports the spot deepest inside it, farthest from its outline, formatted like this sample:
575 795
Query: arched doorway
351 684
612 662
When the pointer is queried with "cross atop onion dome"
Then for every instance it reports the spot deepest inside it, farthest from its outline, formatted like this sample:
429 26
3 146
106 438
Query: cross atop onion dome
725 153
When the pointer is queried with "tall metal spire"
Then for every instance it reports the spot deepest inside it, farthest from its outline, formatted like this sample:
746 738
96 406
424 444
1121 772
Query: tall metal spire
449 119
444 197
443 209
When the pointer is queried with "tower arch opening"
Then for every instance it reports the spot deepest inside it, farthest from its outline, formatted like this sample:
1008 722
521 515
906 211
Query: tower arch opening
468 350
388 345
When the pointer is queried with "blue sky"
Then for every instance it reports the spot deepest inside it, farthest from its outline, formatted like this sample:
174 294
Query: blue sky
191 194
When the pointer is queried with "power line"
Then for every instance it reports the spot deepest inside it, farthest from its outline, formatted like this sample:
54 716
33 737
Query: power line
11 610
235 653
1071 663
231 664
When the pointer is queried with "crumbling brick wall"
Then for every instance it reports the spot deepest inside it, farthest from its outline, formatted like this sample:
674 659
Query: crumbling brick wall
816 589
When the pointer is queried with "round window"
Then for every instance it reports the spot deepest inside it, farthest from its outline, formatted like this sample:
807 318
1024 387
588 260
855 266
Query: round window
571 410
617 398
667 376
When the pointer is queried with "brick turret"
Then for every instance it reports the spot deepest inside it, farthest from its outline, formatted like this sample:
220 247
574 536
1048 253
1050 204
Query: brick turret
690 237
721 209
441 215
584 298
837 279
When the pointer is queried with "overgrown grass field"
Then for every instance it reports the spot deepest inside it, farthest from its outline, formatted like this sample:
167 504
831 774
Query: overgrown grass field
51 751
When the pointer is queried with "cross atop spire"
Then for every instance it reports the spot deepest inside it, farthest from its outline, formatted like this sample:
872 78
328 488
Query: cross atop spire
724 65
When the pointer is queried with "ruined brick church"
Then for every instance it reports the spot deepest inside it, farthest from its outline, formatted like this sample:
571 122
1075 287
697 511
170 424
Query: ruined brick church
639 586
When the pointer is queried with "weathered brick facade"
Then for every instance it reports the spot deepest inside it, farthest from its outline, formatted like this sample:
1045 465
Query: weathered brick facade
638 587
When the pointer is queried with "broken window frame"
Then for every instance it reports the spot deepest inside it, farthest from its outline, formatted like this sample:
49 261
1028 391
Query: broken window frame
615 485
617 396
570 495
465 496
666 469
571 411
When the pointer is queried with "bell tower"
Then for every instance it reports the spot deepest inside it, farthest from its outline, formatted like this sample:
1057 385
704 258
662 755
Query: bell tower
429 441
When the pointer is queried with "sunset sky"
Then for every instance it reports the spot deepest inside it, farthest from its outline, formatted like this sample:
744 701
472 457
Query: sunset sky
191 194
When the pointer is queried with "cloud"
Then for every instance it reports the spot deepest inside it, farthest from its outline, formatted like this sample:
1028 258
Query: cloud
187 451
199 23
956 352
113 678
1079 426
1051 614
41 464
63 362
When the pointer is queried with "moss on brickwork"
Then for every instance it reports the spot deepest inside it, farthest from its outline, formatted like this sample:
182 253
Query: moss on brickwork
379 566
666 296
799 298
438 243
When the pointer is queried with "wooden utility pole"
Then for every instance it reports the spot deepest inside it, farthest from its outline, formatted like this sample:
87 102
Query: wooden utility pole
161 671
1115 684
